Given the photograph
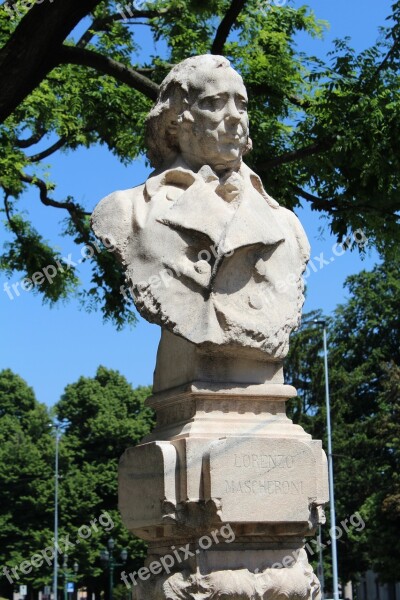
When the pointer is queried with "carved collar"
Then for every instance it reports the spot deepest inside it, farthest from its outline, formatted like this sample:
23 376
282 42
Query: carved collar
196 205
181 176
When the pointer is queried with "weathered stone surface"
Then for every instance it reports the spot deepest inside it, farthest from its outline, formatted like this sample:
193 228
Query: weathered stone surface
208 254
235 480
180 361
215 410
147 483
262 479
297 582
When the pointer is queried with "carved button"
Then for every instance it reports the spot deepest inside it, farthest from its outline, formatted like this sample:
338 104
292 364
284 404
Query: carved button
202 267
174 193
255 301
261 267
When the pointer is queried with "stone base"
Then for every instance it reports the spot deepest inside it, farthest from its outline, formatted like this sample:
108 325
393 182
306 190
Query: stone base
224 457
223 454
228 577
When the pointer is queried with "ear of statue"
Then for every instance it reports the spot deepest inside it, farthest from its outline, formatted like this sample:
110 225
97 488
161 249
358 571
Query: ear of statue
249 146
173 128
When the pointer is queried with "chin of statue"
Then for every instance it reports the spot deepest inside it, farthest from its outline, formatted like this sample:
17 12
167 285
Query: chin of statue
228 164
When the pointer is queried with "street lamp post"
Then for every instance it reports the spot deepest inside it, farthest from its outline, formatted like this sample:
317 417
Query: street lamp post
322 322
55 564
67 574
57 427
108 561
330 470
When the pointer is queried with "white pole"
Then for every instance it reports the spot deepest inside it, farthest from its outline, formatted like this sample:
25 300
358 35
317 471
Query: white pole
330 473
55 565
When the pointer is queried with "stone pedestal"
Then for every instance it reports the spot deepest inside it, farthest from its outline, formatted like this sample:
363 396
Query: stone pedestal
225 490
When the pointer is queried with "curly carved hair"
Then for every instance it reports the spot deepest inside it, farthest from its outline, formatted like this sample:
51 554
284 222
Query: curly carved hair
172 101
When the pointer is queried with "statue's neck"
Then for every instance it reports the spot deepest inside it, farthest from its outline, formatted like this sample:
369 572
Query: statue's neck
220 169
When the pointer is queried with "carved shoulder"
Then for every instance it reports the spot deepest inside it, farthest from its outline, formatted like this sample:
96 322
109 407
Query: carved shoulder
299 232
112 219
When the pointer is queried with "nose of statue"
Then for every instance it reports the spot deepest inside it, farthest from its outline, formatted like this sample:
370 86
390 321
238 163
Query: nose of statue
232 113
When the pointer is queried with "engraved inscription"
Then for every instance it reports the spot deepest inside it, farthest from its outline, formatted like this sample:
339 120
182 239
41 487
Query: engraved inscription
264 461
274 478
267 487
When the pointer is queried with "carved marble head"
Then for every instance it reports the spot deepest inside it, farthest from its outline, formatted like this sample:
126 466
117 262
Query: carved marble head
201 113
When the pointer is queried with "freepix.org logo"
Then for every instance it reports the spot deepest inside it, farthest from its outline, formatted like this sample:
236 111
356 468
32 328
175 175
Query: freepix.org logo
20 7
63 546
179 555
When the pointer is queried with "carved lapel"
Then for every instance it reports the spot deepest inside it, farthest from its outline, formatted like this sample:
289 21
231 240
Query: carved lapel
254 222
198 209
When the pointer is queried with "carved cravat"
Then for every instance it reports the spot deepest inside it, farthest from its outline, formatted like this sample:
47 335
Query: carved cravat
229 186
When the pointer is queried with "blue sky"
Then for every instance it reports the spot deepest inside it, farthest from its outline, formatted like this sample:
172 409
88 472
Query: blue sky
50 348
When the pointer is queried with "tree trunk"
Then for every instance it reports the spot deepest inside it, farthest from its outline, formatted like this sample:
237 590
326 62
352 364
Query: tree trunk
31 52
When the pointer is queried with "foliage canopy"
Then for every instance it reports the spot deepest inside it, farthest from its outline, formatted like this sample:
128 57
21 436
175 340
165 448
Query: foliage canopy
325 133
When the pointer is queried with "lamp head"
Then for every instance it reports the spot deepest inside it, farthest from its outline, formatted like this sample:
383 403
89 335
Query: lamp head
111 544
124 555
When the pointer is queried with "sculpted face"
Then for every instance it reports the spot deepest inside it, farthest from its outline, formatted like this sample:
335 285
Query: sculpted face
215 132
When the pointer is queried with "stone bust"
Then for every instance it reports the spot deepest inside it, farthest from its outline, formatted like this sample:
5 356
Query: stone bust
208 254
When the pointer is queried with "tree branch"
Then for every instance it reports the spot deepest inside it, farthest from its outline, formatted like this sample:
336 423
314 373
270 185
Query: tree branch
9 217
295 155
331 206
264 88
76 213
226 25
70 206
41 155
34 139
30 53
385 60
102 24
127 14
108 66
319 203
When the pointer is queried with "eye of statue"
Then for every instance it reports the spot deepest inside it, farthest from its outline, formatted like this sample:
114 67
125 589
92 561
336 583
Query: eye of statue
212 102
241 103
215 103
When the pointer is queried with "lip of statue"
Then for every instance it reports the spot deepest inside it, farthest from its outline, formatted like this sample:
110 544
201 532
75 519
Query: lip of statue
231 137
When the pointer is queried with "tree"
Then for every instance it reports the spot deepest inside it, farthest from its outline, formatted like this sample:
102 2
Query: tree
105 416
383 507
26 482
364 365
326 134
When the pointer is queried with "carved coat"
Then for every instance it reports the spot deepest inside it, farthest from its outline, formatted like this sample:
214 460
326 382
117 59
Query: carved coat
213 261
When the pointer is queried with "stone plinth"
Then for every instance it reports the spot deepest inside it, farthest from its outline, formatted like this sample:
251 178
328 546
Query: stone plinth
225 456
